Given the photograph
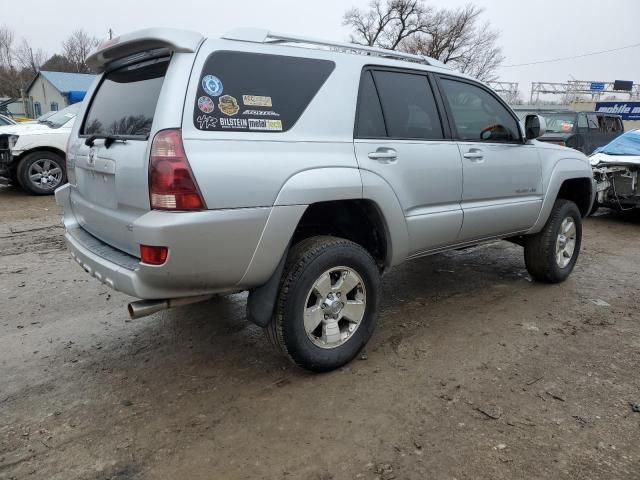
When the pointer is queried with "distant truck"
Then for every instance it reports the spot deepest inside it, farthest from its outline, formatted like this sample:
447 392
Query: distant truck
583 131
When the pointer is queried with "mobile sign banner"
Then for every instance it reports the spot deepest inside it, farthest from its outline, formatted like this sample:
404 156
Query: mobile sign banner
627 110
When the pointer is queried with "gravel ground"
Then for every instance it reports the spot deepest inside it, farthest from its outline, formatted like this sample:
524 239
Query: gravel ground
474 372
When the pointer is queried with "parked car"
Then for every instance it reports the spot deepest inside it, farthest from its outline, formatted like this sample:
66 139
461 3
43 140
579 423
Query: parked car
4 120
32 154
582 131
203 166
616 168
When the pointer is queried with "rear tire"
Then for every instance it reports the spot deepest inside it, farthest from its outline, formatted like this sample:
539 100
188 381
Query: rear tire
40 173
551 254
327 305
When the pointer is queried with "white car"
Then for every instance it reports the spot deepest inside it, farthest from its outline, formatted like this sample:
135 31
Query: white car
616 168
33 154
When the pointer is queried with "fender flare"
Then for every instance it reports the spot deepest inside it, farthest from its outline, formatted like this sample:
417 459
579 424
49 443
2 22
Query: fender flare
564 169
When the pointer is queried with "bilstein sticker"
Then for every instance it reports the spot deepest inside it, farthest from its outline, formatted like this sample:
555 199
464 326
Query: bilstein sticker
206 105
256 101
212 85
261 113
260 124
233 123
228 105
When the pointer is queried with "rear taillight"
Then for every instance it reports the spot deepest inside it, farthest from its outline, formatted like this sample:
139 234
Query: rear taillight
153 255
71 164
171 182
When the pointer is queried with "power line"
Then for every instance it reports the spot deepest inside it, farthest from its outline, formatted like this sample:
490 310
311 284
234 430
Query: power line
561 59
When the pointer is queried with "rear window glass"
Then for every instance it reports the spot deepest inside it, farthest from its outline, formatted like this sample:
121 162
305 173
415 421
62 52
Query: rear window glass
240 91
126 99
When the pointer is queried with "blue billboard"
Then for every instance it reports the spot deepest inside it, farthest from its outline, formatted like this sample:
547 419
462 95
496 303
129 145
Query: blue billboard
627 110
597 86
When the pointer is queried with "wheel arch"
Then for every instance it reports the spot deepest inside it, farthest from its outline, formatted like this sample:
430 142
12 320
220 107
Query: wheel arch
49 149
572 180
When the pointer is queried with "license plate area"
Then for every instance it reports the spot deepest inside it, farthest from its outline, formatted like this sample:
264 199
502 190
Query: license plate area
97 187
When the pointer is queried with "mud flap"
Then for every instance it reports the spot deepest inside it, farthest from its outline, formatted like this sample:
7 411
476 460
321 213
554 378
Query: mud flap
262 300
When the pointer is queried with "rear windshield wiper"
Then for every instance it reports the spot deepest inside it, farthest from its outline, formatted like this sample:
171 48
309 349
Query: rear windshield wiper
108 140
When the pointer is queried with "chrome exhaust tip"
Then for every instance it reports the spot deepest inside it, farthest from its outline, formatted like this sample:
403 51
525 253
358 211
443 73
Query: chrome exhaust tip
144 308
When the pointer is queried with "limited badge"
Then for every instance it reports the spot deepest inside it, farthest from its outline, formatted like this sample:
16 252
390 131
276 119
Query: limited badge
228 105
257 101
212 85
206 105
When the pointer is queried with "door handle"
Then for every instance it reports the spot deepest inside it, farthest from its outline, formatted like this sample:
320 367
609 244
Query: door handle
475 155
384 155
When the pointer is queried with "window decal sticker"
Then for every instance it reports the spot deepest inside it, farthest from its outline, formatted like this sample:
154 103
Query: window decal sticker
261 113
206 105
257 101
212 85
228 105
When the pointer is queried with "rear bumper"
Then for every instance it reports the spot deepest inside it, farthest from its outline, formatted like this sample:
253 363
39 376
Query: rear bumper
209 252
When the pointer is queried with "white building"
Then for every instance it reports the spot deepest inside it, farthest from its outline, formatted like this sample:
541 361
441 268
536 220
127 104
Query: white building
56 90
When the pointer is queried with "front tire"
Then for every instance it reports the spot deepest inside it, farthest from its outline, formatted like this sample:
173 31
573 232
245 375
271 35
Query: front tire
40 173
551 254
327 305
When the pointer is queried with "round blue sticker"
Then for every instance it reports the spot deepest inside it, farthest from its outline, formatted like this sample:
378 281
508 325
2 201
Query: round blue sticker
212 85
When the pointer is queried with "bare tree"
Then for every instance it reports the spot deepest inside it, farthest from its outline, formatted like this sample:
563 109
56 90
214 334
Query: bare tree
28 59
10 78
7 38
387 25
453 36
77 48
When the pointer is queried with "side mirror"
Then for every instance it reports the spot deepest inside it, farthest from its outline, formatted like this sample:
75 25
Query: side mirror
534 126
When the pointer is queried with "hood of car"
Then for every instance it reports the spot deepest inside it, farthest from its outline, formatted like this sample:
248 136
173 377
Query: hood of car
599 158
31 129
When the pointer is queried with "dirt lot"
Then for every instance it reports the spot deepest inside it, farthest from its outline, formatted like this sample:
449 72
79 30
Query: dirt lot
475 372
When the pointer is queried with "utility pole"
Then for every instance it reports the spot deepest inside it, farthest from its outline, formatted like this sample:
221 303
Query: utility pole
110 34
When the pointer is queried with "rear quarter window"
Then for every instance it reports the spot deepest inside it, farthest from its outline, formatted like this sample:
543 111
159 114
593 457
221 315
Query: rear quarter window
239 91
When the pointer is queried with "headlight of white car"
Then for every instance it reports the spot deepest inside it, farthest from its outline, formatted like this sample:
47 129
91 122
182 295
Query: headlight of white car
13 139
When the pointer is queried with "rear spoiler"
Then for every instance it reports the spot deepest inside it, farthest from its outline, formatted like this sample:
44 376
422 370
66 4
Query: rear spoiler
141 41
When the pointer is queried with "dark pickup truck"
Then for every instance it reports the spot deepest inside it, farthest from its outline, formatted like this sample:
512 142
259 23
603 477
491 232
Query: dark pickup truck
582 131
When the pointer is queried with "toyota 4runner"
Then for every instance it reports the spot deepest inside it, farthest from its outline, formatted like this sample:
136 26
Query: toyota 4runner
301 171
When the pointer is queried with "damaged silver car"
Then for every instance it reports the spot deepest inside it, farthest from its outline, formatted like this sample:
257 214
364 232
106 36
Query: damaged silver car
615 169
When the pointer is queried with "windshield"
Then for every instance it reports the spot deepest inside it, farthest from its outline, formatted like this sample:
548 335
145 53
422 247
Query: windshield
43 117
560 122
626 144
58 119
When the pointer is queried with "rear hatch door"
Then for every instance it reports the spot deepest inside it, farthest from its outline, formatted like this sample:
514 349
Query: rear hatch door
142 94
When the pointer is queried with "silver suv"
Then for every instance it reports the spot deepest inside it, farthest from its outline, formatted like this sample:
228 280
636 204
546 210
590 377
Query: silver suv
301 171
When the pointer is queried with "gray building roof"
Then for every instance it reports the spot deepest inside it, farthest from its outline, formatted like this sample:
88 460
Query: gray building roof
67 82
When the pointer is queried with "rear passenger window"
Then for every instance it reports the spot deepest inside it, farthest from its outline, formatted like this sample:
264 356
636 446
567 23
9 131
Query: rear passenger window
370 119
239 91
478 115
409 107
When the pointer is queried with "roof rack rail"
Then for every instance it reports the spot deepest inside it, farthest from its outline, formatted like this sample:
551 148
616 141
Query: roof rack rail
265 36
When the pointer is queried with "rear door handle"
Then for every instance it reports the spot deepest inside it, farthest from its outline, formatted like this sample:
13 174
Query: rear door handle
384 155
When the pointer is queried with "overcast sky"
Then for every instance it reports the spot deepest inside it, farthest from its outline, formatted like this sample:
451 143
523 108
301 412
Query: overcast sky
530 30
